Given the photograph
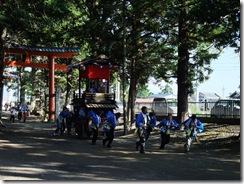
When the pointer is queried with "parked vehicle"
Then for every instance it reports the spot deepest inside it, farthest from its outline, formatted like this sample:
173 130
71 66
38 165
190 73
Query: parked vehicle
161 106
228 108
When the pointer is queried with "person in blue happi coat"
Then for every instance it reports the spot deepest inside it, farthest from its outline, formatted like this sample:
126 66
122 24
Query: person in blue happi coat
166 125
109 127
192 127
142 120
95 121
150 124
60 121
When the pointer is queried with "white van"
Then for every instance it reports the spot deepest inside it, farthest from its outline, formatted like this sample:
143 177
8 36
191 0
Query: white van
228 108
164 105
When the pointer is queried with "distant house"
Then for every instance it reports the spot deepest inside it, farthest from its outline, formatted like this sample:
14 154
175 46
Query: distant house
162 96
208 97
235 95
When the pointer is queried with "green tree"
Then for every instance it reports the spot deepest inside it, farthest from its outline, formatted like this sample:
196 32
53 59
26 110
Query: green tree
196 37
166 89
143 91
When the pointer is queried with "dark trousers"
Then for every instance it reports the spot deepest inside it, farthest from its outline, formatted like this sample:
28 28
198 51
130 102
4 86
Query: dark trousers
142 140
12 118
19 115
95 135
62 128
109 137
69 124
164 139
148 132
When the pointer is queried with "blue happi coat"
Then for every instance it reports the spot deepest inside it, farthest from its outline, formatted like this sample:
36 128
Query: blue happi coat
191 129
95 119
140 120
167 125
111 122
153 121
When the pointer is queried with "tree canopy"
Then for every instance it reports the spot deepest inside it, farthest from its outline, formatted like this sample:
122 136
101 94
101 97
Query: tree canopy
164 39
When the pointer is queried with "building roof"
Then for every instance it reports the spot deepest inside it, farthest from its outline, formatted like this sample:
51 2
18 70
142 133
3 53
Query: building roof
100 60
144 100
210 95
235 95
44 49
162 96
41 51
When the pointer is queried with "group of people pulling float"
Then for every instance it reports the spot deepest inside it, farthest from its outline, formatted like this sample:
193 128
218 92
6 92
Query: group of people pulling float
145 123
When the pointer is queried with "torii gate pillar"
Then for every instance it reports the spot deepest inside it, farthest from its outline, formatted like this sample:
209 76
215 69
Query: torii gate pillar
51 53
51 89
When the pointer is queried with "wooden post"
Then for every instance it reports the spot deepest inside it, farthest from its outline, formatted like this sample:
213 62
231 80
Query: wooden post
51 89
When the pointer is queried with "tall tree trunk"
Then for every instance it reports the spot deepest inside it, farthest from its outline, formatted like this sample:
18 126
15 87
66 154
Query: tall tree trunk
124 61
133 92
69 81
2 39
21 85
183 58
129 103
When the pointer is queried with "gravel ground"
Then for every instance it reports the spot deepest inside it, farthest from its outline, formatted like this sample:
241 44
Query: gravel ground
30 152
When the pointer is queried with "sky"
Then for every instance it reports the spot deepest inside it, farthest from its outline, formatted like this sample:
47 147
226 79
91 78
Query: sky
224 80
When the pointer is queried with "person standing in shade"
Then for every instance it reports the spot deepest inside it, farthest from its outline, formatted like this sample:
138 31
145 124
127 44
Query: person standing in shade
12 114
95 121
109 127
142 120
166 125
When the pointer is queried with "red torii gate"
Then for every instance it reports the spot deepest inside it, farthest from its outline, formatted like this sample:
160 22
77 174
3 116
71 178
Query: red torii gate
51 53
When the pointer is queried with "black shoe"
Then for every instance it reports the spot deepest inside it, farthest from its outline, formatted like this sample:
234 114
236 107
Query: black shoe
137 146
108 146
104 141
143 152
93 143
161 147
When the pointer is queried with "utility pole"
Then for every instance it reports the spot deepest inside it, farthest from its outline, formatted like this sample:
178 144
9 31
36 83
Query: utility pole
223 89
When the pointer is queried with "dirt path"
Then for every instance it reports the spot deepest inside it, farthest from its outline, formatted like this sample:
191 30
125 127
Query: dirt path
29 152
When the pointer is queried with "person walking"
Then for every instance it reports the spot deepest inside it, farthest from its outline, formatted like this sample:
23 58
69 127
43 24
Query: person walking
6 106
192 127
95 121
109 127
25 114
12 114
142 120
166 125
19 109
28 108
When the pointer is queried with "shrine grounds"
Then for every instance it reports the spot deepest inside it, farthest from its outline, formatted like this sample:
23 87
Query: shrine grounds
30 152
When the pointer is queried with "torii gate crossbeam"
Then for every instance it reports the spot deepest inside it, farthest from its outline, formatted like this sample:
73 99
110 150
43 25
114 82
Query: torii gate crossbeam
51 53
